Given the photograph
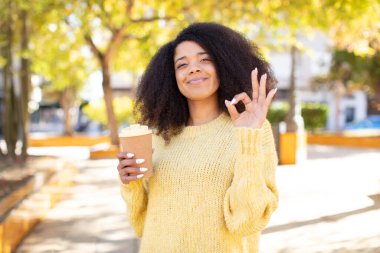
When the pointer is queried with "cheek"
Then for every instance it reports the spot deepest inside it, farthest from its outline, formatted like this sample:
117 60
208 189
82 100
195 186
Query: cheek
178 77
212 71
214 77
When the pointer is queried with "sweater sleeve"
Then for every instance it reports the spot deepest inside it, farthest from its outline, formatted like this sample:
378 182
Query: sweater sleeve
135 196
252 196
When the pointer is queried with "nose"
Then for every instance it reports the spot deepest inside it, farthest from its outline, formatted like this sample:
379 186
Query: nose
194 68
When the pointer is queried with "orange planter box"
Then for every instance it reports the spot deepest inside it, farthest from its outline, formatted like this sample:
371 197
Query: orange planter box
106 151
20 220
48 141
292 148
345 141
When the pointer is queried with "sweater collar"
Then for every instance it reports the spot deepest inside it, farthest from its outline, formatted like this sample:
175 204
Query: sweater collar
190 131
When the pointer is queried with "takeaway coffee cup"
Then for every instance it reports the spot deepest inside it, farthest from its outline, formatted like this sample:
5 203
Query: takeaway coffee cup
137 139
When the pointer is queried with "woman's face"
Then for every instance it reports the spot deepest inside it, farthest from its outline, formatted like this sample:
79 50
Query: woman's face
195 72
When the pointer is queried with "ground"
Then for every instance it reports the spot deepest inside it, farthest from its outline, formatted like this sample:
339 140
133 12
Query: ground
328 204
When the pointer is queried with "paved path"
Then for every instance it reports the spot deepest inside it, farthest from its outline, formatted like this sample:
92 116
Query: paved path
329 204
92 220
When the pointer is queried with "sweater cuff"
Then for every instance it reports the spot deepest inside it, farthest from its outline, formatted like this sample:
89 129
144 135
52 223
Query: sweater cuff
251 140
132 186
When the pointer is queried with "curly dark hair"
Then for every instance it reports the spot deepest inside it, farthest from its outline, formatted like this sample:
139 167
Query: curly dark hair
159 102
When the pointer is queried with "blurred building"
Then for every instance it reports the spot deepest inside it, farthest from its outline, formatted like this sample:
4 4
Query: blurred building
344 106
48 118
124 84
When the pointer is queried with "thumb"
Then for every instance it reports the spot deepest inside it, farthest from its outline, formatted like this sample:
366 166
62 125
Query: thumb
231 110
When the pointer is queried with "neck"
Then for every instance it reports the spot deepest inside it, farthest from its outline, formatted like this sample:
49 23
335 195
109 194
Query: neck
202 112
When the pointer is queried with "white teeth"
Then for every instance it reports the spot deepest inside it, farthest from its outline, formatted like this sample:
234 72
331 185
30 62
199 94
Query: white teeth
198 80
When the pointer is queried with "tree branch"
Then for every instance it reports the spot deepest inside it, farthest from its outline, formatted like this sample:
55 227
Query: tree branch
128 10
116 40
131 36
107 18
93 47
143 20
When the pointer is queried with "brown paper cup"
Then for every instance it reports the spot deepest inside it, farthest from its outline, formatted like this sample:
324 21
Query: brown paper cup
137 139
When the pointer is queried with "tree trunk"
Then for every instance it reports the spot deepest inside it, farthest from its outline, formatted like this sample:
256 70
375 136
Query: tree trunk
3 33
67 101
294 121
10 113
25 86
104 60
112 123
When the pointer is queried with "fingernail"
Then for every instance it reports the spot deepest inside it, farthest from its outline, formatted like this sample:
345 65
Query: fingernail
265 76
227 102
143 169
130 155
275 90
255 70
139 176
233 101
139 161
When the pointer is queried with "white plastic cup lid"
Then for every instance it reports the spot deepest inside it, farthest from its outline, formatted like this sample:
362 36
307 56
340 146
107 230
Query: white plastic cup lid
135 130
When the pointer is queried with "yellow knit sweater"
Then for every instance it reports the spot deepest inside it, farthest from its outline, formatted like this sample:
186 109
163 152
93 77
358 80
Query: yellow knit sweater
213 190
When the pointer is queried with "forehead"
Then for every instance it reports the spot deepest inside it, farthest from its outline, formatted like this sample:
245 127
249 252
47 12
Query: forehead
187 48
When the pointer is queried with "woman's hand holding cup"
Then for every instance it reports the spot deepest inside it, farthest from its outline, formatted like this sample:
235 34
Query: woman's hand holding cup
131 168
135 158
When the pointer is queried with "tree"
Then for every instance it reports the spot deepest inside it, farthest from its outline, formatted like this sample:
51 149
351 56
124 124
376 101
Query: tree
124 34
109 26
349 71
62 62
338 19
361 71
16 81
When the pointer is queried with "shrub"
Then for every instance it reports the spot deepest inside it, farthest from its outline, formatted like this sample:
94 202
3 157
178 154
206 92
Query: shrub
277 112
314 114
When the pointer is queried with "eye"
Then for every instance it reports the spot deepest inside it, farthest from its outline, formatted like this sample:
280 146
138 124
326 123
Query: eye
181 65
206 60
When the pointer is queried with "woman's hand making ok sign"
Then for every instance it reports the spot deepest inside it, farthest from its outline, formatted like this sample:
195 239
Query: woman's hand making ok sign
256 109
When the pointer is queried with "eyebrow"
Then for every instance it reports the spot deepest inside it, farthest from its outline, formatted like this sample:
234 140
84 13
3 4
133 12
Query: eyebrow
183 57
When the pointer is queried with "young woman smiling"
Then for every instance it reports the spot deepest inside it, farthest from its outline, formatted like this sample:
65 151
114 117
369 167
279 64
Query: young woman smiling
212 188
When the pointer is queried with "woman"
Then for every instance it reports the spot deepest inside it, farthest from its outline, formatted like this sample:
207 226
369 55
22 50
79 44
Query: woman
212 188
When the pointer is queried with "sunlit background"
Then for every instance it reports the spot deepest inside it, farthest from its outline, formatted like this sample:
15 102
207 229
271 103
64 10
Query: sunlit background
68 77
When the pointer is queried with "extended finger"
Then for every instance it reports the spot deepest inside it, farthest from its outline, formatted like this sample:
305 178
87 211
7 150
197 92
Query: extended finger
255 85
270 96
263 82
234 114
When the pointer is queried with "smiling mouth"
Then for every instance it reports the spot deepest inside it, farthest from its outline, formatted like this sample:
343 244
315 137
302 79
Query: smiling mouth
196 80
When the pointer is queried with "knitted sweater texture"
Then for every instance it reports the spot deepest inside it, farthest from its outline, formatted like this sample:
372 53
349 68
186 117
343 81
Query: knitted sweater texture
213 190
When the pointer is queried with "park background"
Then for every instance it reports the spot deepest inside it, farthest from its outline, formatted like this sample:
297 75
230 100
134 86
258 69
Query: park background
68 77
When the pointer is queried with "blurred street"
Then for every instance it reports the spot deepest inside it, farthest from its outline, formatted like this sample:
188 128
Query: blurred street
328 204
